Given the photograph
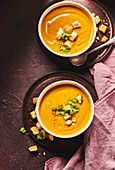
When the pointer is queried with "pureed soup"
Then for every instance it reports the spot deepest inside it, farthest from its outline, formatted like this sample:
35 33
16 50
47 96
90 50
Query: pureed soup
55 23
65 109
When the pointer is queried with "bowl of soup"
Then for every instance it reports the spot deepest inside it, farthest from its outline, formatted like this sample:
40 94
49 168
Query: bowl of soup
67 29
65 109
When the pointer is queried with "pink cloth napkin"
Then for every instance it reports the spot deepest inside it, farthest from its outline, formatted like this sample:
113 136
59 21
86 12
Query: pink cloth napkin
98 150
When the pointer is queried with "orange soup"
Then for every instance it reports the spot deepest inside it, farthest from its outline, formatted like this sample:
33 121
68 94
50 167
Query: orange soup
62 95
62 17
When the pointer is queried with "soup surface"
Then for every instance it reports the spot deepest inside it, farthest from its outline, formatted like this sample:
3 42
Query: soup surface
62 16
60 95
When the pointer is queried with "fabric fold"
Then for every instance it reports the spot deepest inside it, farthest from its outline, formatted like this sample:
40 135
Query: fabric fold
98 149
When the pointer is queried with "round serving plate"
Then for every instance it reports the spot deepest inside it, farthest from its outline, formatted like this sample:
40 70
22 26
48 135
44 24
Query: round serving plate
58 145
100 10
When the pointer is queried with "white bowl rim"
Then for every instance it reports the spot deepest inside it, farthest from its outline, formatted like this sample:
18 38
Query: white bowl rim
59 83
55 5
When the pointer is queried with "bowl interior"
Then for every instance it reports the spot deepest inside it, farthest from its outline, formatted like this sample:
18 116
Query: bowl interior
62 4
47 91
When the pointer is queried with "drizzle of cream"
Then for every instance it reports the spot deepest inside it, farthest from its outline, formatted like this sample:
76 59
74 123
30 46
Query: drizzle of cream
51 21
53 42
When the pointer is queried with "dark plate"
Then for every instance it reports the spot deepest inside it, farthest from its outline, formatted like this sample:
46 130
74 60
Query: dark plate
99 9
64 145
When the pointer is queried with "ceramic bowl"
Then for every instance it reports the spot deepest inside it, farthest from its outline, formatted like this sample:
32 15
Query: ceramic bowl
60 4
45 92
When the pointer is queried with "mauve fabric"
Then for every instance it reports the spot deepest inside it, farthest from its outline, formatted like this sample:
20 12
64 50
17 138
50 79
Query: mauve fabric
98 150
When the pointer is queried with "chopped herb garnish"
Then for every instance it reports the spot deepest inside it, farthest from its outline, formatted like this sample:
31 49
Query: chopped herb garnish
75 110
60 48
64 49
65 35
40 135
62 112
60 107
69 109
22 130
62 43
57 108
54 108
73 102
67 49
67 32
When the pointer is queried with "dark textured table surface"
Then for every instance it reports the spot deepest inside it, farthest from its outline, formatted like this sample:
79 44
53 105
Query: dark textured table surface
21 63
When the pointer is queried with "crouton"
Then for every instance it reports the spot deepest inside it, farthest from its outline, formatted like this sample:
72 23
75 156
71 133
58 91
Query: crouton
38 126
35 100
80 99
103 28
66 117
97 38
50 137
104 39
73 36
68 28
33 148
57 113
68 44
33 114
76 24
59 33
67 107
74 119
93 14
34 130
69 122
97 20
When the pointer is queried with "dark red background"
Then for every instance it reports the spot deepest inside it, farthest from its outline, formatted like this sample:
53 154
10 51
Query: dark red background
21 63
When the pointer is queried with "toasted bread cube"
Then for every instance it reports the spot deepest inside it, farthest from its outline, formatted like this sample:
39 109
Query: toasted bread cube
103 28
73 36
68 122
57 113
76 24
104 39
68 28
35 100
34 130
33 114
93 14
74 119
97 38
38 126
33 148
97 20
66 117
68 44
59 33
44 133
67 107
50 137
80 99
